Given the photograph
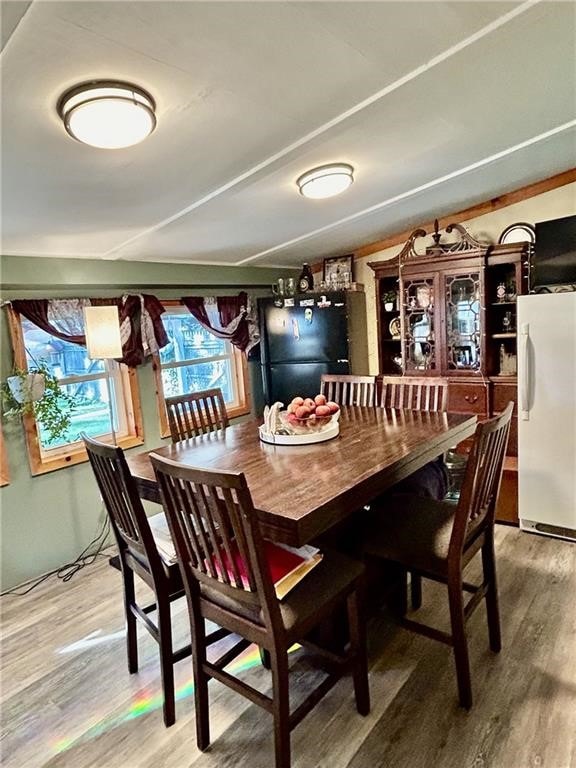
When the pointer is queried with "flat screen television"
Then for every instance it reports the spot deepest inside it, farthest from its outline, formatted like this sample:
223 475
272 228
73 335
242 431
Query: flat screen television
554 258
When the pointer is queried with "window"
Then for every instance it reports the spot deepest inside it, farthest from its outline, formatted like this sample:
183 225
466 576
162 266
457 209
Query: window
100 388
195 360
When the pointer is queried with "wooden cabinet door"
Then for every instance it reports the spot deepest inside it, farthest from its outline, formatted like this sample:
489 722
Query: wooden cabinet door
462 346
420 324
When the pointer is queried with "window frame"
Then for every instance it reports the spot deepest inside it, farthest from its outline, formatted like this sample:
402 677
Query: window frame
240 372
71 454
4 469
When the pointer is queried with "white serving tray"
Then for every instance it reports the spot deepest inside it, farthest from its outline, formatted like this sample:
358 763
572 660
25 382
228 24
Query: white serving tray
332 430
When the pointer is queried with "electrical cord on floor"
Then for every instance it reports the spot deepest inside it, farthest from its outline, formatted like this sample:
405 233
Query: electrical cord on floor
67 571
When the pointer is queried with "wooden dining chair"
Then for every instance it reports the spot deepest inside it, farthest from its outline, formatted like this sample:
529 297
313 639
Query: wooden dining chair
196 413
437 540
346 389
413 393
139 554
225 572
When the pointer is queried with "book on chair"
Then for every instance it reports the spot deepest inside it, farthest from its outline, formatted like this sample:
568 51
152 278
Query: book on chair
287 565
162 538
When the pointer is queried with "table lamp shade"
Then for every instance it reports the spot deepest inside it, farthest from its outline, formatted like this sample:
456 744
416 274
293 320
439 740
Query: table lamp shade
102 328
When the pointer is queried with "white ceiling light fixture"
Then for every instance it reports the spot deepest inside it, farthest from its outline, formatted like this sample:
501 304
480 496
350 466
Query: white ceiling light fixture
107 114
326 180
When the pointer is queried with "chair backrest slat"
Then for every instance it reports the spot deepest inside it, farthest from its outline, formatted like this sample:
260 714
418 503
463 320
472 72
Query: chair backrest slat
214 561
197 505
346 389
414 393
191 522
479 493
196 413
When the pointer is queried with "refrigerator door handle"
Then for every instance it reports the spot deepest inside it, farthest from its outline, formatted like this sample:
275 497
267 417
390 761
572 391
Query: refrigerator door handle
525 380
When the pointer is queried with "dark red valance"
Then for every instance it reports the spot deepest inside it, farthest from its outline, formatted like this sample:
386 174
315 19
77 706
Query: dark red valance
233 316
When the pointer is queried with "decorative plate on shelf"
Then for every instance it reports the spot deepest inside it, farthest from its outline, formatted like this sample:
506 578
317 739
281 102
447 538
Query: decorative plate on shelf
518 233
394 328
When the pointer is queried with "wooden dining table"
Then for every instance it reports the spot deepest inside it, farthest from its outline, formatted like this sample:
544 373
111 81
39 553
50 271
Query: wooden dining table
301 491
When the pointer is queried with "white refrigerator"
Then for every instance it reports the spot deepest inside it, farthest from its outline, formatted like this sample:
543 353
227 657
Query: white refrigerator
546 326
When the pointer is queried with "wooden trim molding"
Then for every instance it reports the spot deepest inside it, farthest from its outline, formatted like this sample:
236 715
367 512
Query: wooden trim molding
133 404
4 471
489 206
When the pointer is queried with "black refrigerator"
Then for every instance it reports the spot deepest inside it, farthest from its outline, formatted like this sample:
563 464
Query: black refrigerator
307 336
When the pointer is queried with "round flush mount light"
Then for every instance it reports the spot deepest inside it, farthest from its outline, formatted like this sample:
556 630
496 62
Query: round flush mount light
326 180
108 114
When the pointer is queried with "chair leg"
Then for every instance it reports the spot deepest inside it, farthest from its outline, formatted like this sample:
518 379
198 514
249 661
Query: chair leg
166 659
265 658
131 634
201 704
357 629
399 604
415 590
281 707
460 642
492 612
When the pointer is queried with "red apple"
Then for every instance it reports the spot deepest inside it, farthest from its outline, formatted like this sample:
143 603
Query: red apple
302 412
297 401
322 411
309 403
334 407
320 400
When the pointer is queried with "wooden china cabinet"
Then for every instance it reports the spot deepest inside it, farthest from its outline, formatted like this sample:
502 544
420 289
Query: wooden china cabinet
450 310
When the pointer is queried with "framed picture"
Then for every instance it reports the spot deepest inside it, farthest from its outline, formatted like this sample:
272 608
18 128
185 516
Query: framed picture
338 269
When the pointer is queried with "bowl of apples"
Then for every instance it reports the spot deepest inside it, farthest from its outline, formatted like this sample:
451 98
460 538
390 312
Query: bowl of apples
306 414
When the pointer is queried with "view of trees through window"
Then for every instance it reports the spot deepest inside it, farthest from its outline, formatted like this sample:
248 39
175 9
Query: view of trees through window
80 377
195 359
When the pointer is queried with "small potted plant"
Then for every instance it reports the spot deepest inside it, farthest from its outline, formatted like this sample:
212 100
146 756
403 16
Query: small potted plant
36 392
389 301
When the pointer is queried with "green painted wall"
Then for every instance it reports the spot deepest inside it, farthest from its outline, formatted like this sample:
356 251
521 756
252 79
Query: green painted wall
46 521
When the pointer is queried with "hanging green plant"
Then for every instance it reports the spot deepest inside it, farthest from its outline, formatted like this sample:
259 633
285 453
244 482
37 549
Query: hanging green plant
36 392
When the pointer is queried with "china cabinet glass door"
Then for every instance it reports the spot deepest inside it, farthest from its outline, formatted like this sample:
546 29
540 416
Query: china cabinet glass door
419 308
463 332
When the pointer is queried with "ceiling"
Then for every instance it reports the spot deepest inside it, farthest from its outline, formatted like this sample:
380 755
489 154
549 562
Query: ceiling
437 105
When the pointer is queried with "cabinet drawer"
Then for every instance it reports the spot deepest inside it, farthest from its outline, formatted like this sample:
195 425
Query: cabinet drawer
467 398
502 394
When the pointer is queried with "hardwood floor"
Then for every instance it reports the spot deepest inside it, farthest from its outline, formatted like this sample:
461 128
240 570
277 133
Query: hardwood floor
67 698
